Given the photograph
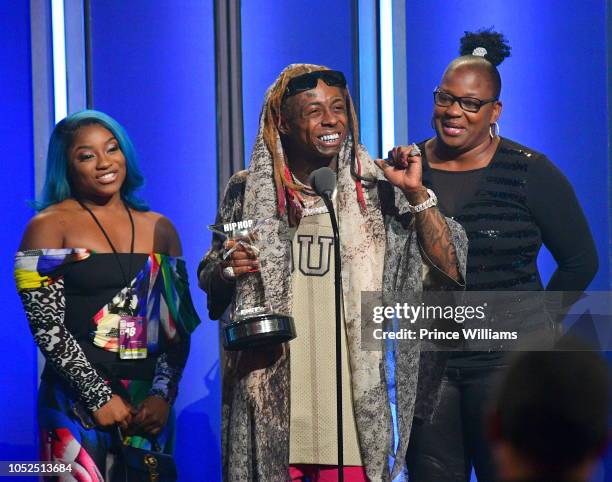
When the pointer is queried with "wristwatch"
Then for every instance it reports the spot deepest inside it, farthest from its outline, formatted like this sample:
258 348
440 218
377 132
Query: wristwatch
432 201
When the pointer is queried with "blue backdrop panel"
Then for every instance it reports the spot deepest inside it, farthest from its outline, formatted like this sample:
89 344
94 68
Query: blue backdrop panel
276 33
554 87
153 69
19 372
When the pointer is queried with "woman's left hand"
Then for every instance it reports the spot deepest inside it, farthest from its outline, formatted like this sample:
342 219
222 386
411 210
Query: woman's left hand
403 170
151 416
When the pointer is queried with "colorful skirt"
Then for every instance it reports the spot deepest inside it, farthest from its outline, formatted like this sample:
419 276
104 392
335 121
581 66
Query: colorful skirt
91 452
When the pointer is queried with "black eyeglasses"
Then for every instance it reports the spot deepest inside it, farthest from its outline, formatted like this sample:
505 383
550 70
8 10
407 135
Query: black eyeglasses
468 104
304 82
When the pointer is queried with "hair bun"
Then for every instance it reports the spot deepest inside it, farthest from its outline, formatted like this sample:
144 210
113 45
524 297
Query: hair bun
486 43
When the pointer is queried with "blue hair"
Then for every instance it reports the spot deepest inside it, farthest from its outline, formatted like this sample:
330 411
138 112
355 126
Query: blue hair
57 184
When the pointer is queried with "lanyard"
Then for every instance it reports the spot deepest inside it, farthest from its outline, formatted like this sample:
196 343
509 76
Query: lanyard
125 278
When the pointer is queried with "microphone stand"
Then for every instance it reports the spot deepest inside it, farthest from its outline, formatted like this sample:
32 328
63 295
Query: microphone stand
338 302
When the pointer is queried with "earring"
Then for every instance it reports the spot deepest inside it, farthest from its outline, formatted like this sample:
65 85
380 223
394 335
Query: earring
432 124
494 130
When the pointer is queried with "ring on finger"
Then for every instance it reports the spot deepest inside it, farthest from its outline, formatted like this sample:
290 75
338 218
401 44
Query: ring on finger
415 151
228 273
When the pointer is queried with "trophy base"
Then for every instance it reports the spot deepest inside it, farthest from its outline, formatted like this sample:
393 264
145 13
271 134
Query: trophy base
260 330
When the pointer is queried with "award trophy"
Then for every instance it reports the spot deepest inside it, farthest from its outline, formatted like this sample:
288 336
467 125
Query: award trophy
252 321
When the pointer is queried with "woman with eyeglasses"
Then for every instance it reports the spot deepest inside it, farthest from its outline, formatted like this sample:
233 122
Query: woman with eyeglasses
510 199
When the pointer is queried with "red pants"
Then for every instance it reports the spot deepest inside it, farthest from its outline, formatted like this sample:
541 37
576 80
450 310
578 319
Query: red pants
327 473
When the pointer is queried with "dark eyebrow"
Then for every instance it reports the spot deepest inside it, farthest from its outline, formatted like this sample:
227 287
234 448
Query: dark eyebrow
471 95
315 103
320 102
111 138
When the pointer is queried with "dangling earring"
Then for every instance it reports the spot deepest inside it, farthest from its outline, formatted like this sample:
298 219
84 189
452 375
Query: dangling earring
494 132
432 124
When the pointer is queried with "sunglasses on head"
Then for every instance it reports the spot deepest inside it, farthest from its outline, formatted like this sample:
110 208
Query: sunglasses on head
304 82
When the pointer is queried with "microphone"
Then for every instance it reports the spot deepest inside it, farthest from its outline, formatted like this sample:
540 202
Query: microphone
323 181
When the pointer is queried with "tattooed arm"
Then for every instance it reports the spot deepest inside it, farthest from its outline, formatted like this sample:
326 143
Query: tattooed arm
405 171
434 235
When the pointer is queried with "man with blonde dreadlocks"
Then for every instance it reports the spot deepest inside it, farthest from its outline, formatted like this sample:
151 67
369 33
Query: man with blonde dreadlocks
279 403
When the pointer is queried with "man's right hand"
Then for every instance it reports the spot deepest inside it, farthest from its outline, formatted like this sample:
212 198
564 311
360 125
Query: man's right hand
115 411
241 261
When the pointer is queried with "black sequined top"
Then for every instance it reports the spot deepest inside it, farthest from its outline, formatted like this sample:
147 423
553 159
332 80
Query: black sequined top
508 209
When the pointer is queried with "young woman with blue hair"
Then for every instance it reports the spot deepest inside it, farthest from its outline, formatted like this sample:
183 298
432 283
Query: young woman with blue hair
106 295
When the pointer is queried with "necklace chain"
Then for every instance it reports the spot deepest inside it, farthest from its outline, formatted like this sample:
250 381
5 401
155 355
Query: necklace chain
97 221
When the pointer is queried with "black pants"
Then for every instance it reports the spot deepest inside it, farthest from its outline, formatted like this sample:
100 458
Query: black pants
445 449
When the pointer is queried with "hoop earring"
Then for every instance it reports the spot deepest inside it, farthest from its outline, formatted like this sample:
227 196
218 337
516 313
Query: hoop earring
494 132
